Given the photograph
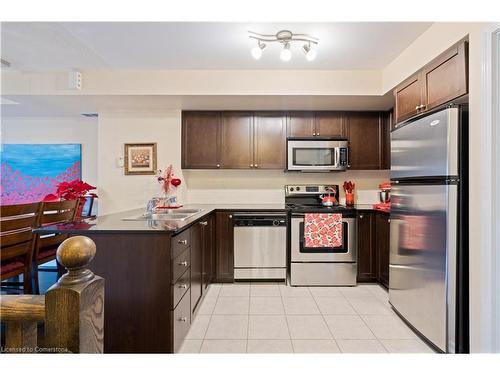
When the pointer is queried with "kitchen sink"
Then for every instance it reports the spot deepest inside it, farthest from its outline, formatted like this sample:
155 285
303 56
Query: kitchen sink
170 214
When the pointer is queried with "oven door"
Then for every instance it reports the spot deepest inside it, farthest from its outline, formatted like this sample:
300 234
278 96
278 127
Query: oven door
346 253
316 155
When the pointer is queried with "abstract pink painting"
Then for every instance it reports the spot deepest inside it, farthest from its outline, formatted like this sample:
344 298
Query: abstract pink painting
31 171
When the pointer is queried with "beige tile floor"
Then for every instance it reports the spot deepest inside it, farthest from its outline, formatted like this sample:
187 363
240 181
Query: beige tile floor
276 318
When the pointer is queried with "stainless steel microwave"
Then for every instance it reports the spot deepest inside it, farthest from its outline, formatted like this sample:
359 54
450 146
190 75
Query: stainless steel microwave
318 154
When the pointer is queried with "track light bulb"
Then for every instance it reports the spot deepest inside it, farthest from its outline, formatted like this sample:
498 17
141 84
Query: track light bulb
286 54
309 52
257 50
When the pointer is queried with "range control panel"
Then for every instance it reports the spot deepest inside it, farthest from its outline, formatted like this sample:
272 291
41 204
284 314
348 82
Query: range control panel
291 190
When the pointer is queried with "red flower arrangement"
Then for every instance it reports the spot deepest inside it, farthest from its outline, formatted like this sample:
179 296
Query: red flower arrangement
72 190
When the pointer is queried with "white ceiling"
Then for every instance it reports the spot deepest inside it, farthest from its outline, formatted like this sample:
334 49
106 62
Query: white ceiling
48 46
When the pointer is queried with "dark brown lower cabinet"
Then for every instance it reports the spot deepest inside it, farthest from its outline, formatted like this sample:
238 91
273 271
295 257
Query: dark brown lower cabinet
382 225
208 234
366 247
196 264
373 247
224 265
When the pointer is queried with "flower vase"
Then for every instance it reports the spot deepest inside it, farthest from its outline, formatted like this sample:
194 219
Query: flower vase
79 207
349 199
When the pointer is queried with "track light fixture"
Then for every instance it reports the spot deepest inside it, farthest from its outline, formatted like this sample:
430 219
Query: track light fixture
286 38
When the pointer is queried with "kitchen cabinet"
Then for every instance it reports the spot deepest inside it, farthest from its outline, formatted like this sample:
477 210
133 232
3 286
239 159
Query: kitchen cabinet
440 81
208 240
388 125
316 124
366 247
373 247
330 124
301 124
269 140
237 140
382 227
257 140
365 131
201 140
196 264
224 248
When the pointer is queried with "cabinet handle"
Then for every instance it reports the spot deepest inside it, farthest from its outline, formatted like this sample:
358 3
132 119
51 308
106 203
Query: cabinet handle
218 165
182 242
256 165
360 216
183 286
417 107
204 223
314 134
183 319
317 134
185 264
388 220
230 216
422 106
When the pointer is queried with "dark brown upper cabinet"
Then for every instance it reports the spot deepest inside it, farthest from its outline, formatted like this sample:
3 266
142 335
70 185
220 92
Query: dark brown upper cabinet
365 131
200 140
237 140
301 124
316 124
269 140
408 97
440 81
330 124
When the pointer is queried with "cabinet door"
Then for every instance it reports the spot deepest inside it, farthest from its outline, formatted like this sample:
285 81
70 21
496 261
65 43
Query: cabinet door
269 141
366 247
383 241
446 77
237 140
224 249
208 250
301 124
365 134
200 140
330 124
409 97
196 265
387 119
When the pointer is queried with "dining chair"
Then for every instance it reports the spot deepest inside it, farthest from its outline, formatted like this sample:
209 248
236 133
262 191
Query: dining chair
17 242
46 244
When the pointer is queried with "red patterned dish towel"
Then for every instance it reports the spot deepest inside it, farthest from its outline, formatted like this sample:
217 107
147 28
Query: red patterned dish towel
323 230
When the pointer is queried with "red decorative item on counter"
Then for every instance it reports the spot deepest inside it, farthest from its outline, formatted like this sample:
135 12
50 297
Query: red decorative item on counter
167 179
349 192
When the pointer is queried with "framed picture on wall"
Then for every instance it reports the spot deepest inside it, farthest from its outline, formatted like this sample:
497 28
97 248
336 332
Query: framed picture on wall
140 158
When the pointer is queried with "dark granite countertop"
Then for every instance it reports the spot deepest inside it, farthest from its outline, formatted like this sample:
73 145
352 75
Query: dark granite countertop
114 223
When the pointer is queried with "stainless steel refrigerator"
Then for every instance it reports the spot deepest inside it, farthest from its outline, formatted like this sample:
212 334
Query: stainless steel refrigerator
428 272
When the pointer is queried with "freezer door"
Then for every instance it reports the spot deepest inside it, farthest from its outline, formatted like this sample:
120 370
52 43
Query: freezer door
427 147
423 259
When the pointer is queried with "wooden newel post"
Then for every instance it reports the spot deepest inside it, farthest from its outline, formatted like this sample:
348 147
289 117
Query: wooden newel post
74 306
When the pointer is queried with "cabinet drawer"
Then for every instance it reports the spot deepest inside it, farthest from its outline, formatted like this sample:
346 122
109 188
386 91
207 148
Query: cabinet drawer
181 242
180 265
181 321
180 287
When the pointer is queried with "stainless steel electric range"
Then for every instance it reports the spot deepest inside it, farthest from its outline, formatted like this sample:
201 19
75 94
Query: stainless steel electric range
334 266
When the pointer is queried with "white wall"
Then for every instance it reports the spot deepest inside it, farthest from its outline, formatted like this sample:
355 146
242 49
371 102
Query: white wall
231 186
117 191
430 44
57 130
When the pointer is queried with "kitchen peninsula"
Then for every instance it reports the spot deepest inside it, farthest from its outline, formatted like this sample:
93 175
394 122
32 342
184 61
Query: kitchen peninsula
157 271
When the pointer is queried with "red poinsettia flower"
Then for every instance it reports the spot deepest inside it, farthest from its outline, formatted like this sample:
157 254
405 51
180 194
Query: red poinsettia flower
70 190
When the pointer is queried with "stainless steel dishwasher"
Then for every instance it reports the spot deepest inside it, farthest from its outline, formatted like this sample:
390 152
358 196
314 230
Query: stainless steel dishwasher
260 245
